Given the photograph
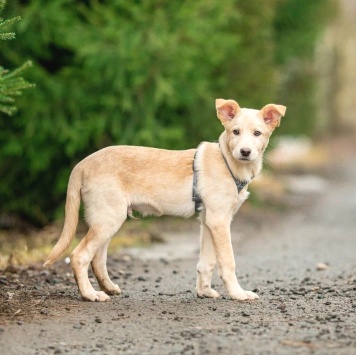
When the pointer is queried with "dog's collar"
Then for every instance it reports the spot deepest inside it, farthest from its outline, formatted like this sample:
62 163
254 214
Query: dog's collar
240 184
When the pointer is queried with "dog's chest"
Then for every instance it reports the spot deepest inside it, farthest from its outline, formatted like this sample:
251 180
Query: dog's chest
240 199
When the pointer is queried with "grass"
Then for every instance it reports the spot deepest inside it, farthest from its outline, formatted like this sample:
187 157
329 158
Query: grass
19 248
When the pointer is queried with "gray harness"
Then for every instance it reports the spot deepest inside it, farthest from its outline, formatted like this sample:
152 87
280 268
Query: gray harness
240 184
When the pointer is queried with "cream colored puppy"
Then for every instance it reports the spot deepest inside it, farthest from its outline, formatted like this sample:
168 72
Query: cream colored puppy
116 180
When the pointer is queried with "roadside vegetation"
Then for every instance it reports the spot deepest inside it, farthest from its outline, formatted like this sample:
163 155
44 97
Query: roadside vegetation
143 73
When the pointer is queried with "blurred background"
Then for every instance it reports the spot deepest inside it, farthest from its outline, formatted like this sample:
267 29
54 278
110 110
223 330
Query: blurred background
148 73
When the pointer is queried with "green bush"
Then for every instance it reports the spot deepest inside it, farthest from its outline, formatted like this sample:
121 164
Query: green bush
126 72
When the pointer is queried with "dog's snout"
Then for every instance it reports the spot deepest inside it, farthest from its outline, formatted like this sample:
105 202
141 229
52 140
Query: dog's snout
245 152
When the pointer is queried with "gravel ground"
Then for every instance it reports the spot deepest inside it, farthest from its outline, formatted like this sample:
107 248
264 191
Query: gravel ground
303 307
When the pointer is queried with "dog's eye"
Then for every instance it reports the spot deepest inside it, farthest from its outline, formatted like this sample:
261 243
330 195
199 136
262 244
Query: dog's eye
236 132
257 133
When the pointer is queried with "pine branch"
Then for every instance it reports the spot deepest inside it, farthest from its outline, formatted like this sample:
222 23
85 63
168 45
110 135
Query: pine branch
11 84
5 36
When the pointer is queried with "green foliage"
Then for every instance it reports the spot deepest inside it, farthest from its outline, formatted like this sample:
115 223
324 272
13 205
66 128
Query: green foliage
11 86
126 72
4 24
11 83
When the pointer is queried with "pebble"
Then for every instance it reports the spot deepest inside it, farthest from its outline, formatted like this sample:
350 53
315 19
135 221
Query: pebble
77 326
98 320
321 266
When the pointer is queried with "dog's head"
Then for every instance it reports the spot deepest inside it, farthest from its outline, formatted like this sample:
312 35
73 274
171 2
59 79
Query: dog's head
248 130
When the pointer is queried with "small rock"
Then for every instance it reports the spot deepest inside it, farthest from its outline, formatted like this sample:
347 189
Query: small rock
98 320
227 314
141 278
322 266
282 307
77 326
126 258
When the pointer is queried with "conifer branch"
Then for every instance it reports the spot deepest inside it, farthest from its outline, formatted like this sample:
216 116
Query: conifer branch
11 84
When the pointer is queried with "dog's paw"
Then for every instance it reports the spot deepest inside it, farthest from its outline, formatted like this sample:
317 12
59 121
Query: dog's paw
244 295
251 295
208 293
115 290
96 296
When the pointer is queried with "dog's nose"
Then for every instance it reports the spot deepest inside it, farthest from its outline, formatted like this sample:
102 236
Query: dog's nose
245 152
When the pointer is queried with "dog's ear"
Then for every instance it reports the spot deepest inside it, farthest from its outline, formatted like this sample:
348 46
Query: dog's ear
226 109
272 114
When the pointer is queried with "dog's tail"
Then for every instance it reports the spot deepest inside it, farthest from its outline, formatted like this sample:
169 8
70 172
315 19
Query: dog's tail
71 216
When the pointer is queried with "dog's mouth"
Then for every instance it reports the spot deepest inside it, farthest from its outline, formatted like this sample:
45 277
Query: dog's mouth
244 160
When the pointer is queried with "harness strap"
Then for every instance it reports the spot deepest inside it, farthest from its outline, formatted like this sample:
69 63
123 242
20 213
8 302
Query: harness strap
240 184
196 197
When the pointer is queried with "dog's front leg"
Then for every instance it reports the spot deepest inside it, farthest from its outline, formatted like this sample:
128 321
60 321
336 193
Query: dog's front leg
207 263
220 231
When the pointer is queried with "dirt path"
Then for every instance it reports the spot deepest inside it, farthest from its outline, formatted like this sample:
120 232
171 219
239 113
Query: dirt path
301 309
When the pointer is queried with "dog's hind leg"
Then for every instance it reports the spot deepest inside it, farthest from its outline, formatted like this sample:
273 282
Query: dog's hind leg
207 263
80 260
104 223
98 265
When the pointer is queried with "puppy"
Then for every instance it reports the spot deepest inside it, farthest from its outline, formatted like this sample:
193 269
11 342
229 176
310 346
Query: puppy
211 179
